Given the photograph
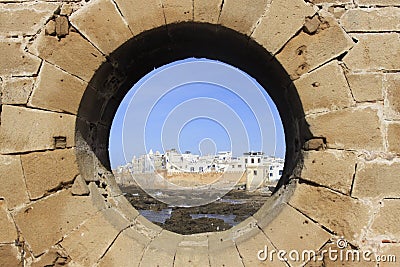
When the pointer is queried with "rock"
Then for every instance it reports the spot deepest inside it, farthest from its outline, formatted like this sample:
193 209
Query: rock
178 10
311 25
16 91
50 28
8 232
366 86
371 20
80 187
62 26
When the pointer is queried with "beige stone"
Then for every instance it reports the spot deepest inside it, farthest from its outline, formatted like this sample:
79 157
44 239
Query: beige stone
178 10
57 90
45 171
80 187
374 51
343 215
164 246
375 180
125 207
73 54
371 20
366 86
242 16
312 24
324 89
331 168
36 129
90 241
145 227
45 222
17 90
291 230
392 103
351 128
379 2
9 256
282 20
15 61
207 10
24 18
386 222
127 249
8 232
192 251
222 251
138 20
96 196
52 256
393 133
62 26
13 188
96 20
315 144
306 52
391 253
331 1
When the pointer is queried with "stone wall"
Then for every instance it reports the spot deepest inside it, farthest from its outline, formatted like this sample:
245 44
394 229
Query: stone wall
59 203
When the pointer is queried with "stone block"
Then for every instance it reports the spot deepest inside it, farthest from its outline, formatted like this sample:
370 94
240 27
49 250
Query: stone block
331 168
145 227
392 102
305 52
96 196
192 251
324 89
127 249
164 246
207 10
371 20
24 129
45 222
91 240
222 251
291 230
80 188
178 10
331 2
13 188
343 215
17 90
125 207
46 171
138 20
366 86
377 180
62 26
24 18
8 232
57 90
351 128
386 222
73 54
242 16
15 61
378 2
9 256
102 24
374 51
391 253
282 20
50 28
393 133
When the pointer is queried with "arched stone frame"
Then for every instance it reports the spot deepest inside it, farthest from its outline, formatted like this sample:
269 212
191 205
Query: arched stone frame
305 213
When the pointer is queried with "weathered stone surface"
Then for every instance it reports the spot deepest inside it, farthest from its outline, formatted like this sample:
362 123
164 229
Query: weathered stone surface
282 20
379 2
36 129
392 251
73 54
207 10
192 251
306 52
91 240
371 20
97 198
57 90
375 180
45 222
164 246
145 227
351 128
125 207
393 133
80 187
17 90
45 171
127 249
312 24
324 89
62 26
178 10
242 16
15 61
24 18
138 20
374 51
343 215
13 188
222 250
8 232
331 1
291 230
9 256
366 86
315 144
392 103
50 28
386 222
53 256
331 168
95 21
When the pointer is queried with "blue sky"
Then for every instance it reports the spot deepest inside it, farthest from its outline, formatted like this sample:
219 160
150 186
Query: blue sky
198 105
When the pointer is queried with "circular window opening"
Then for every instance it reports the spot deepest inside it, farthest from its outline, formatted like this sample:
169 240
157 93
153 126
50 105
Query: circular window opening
197 146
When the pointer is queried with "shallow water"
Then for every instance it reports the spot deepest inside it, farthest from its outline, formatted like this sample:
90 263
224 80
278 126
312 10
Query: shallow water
156 216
